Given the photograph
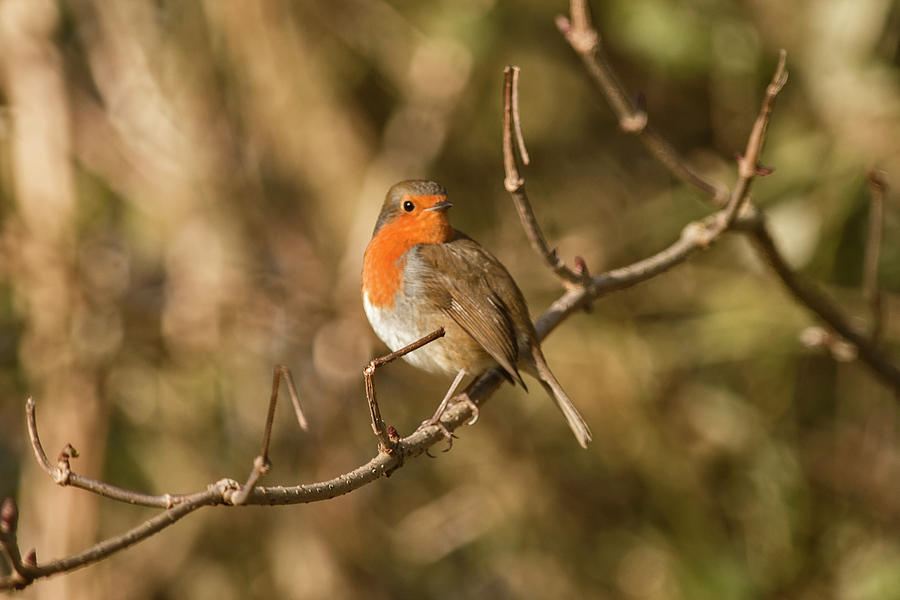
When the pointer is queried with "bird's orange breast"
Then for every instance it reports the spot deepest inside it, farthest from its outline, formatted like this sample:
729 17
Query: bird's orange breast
385 256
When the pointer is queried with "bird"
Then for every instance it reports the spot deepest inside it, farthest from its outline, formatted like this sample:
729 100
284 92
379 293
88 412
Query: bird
420 274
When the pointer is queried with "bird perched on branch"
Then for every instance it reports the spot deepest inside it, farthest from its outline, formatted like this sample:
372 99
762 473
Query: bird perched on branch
420 274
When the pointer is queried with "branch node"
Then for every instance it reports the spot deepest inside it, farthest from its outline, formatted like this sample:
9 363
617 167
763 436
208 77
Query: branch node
226 488
564 25
635 123
9 517
63 471
67 452
703 233
513 185
781 75
262 464
819 337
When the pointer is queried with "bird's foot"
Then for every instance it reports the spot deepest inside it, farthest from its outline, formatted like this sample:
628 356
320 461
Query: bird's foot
435 421
464 399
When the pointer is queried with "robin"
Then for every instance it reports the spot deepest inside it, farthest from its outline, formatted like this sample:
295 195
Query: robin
420 274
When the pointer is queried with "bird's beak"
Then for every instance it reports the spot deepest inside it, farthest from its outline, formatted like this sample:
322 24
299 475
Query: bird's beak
441 205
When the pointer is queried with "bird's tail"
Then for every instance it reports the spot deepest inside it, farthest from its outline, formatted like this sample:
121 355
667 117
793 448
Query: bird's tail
554 389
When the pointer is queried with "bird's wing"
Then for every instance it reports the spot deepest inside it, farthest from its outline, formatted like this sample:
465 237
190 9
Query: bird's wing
480 296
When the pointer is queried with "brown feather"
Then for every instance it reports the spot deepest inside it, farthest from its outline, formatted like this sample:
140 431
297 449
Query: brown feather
481 297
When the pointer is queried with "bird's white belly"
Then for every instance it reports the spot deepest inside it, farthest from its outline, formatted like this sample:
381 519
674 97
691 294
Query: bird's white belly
400 327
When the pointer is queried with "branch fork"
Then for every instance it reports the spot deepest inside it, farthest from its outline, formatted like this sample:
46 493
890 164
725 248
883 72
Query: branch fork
515 183
387 444
740 213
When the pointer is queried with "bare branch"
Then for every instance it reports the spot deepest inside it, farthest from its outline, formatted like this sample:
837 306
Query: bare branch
92 485
515 184
261 464
110 546
9 519
516 120
816 301
871 289
586 43
385 443
584 39
39 453
282 372
748 164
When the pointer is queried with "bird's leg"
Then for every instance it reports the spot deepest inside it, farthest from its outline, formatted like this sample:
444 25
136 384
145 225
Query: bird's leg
436 418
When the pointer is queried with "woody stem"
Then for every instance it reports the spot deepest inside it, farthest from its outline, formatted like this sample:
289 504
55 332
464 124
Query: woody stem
385 444
261 463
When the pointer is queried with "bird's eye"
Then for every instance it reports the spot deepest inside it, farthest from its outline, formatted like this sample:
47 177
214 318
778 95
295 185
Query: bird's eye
408 206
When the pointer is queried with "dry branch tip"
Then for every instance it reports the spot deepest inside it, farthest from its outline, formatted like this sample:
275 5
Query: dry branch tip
515 183
9 516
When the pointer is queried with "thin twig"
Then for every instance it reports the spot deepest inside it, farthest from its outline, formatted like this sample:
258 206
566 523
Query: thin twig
282 372
262 464
748 164
515 184
516 119
815 300
110 546
871 289
9 518
92 485
633 119
385 443
35 439
586 43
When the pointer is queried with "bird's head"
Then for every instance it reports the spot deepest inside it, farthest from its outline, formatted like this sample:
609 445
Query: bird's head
417 210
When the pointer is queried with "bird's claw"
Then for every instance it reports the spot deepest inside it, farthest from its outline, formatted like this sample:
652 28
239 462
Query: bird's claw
464 399
448 435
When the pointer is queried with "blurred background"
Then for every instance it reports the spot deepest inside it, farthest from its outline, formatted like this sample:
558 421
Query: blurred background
186 190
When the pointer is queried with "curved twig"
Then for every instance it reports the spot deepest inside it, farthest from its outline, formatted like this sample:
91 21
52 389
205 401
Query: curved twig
25 574
515 184
86 483
585 41
748 164
815 301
